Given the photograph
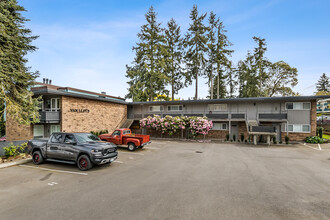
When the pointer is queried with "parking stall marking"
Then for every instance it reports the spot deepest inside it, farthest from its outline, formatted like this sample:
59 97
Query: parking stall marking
117 161
304 144
52 183
131 153
59 171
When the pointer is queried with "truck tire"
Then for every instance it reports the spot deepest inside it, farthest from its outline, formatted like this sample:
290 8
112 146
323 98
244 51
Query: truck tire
131 146
37 157
84 163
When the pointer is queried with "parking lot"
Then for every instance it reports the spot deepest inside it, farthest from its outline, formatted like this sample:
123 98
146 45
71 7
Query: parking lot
176 180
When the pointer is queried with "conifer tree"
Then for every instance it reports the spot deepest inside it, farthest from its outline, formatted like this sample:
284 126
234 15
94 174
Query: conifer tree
323 84
231 80
174 47
196 44
147 75
222 59
15 77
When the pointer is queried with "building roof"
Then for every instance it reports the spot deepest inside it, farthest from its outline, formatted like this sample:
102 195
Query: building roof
234 100
49 89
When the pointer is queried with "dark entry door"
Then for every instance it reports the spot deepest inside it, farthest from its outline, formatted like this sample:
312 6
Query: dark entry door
234 131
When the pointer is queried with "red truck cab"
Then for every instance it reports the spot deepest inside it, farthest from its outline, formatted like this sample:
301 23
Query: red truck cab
124 137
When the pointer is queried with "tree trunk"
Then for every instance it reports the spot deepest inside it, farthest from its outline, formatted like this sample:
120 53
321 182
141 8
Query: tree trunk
196 91
211 78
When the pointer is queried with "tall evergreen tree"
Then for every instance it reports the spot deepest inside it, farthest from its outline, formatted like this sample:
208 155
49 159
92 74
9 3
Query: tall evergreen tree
323 84
212 47
196 44
147 76
15 77
247 77
260 63
222 59
174 47
231 80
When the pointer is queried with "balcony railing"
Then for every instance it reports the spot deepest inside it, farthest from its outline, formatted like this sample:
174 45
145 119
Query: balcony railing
217 116
263 129
50 117
272 116
238 116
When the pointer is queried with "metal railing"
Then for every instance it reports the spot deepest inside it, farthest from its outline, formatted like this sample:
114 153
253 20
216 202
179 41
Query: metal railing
272 116
50 117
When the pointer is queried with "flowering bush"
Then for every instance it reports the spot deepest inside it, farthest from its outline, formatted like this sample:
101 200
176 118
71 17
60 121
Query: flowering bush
169 124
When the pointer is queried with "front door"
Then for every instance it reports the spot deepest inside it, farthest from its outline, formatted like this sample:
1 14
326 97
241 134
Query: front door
234 131
54 148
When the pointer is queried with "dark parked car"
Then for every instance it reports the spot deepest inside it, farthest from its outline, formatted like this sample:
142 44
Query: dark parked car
83 149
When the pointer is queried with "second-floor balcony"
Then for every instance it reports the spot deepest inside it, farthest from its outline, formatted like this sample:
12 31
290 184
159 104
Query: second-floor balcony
50 116
271 116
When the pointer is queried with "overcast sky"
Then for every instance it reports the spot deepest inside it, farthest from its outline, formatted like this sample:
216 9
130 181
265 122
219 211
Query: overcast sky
87 44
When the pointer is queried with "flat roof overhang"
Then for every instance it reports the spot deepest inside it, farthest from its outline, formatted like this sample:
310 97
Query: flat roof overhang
235 100
46 91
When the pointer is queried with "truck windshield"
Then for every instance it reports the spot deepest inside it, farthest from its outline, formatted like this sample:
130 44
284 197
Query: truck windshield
85 137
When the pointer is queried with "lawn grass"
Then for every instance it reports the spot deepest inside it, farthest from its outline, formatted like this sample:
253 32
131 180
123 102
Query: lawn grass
326 136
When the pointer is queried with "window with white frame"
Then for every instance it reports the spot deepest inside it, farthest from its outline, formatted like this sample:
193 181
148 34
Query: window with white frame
38 131
218 107
156 108
299 128
55 104
174 108
298 106
219 126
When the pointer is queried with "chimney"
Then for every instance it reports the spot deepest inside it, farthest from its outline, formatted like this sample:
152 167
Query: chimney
104 93
50 82
44 80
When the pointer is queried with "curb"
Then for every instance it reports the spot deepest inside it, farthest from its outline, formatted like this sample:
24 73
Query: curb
14 163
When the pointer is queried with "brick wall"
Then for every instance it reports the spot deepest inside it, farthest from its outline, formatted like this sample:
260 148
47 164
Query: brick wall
16 131
101 115
302 136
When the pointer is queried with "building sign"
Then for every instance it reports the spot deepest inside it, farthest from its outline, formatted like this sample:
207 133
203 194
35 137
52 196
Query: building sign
79 110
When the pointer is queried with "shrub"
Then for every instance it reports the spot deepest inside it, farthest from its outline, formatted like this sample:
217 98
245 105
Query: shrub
242 137
314 140
287 139
12 150
97 133
227 137
319 132
274 140
234 137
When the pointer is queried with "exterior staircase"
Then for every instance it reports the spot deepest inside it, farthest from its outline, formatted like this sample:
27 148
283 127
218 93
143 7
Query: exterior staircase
250 124
126 124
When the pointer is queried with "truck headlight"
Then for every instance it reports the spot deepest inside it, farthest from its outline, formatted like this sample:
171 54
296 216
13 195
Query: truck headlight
96 152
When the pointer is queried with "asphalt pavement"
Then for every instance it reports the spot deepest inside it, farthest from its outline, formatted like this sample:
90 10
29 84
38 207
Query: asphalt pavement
176 180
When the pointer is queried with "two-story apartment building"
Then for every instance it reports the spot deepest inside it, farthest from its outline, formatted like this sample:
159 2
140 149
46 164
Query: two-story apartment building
73 110
278 116
69 110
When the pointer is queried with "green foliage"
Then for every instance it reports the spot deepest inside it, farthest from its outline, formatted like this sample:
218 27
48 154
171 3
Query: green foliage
15 77
319 132
12 150
227 137
234 137
196 44
314 140
274 140
287 139
258 77
242 137
174 56
323 84
2 121
147 75
97 133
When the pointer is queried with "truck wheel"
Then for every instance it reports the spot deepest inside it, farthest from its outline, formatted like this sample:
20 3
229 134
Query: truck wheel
84 163
37 158
131 147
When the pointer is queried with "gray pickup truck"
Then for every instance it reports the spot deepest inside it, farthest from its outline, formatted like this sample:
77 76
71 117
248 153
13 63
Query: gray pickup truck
83 149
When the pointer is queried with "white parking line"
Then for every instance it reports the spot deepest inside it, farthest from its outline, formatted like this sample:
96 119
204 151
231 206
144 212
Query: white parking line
309 146
320 147
117 161
120 152
60 171
152 148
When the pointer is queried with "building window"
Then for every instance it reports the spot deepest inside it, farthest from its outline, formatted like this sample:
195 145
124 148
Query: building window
38 131
156 108
299 128
41 105
218 107
174 108
55 128
55 104
219 126
298 106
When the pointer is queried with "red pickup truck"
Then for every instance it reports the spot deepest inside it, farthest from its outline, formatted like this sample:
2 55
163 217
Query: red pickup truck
124 137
